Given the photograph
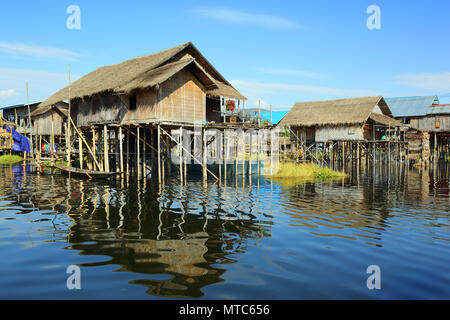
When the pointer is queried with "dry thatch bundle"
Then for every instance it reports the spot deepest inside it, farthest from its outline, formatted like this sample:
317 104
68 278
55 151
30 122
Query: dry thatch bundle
385 120
145 71
63 111
334 112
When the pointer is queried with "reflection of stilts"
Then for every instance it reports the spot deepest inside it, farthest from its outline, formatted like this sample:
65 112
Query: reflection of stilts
106 198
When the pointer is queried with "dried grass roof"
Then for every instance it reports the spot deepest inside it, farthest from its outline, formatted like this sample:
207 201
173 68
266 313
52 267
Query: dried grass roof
63 111
385 120
132 74
333 112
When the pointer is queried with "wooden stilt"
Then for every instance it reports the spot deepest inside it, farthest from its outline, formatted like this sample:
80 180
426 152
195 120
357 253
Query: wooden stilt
53 141
128 154
169 155
105 148
80 151
180 153
159 154
250 151
144 154
121 151
225 160
138 153
204 158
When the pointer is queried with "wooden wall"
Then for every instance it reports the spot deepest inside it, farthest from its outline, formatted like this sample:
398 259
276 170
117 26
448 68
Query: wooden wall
428 123
339 133
42 124
182 99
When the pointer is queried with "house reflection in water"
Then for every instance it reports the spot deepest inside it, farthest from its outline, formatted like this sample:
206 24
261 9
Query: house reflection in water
178 236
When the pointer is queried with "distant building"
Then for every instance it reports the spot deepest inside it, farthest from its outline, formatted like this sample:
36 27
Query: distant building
50 120
427 115
355 119
413 110
18 114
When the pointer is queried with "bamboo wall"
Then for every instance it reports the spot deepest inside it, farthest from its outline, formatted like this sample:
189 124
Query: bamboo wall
43 124
181 99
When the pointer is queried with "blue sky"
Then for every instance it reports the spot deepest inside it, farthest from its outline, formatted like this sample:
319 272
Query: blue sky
278 51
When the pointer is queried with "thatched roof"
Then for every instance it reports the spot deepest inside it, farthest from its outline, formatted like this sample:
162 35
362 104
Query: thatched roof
142 71
385 120
159 75
333 112
63 111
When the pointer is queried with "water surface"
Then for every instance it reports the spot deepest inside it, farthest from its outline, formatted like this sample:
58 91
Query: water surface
253 240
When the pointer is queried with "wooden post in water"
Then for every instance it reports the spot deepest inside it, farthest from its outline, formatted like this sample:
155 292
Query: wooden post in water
94 151
105 148
258 145
204 157
121 151
144 154
159 154
180 154
53 141
138 153
236 155
225 164
250 151
169 157
80 151
243 154
152 152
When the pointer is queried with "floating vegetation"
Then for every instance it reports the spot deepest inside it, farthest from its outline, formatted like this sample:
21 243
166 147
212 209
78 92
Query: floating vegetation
290 170
10 159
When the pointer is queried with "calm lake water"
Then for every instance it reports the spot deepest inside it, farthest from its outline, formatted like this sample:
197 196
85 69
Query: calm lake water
264 240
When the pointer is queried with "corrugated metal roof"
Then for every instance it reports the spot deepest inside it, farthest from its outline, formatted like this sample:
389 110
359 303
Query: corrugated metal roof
410 106
19 106
439 109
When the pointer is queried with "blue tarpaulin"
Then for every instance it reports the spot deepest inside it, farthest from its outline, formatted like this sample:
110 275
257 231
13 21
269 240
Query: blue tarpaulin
21 143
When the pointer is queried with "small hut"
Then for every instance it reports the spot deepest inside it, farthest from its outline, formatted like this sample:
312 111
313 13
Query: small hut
355 119
348 124
125 115
175 86
49 126
50 120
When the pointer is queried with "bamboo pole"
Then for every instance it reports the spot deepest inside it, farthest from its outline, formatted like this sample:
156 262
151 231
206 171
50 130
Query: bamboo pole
180 153
85 142
80 152
169 157
204 157
243 154
29 120
105 146
144 155
159 154
121 151
68 127
138 153
225 156
250 153
53 141
128 153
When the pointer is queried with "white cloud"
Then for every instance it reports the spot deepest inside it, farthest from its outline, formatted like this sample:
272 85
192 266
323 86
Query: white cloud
433 82
244 18
7 93
265 88
37 51
293 73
